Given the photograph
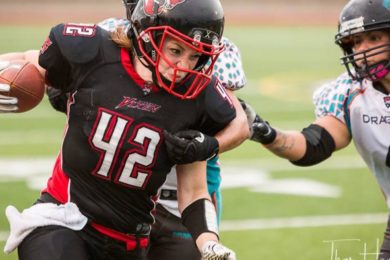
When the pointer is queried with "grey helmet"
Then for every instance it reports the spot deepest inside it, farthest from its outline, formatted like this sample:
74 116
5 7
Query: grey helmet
360 16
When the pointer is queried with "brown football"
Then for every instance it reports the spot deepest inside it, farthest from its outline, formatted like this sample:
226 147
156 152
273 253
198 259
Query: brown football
26 83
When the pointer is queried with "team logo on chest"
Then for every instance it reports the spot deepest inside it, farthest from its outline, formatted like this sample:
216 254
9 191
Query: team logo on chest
387 101
138 104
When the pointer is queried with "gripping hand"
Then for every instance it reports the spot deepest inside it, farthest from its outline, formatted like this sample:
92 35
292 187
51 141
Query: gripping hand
190 146
260 130
212 250
7 103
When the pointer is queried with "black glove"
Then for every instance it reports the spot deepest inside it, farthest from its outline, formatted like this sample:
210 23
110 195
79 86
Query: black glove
58 99
260 130
190 146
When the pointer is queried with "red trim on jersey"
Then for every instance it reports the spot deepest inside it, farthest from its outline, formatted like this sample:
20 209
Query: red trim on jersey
129 68
130 240
57 185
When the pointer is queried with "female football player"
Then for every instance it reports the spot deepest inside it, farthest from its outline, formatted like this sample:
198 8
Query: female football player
355 106
126 90
169 238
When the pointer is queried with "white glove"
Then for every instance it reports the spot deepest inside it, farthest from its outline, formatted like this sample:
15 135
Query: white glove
213 250
7 103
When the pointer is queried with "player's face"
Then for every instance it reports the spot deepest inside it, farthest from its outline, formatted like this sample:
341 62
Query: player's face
180 56
375 40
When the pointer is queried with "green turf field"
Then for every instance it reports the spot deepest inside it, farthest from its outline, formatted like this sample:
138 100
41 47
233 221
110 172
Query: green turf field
283 66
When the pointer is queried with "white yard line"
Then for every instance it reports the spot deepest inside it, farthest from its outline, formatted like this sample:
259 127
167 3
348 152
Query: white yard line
302 222
352 161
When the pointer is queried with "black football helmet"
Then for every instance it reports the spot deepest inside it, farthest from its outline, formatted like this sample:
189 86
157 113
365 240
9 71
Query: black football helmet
198 24
360 16
129 5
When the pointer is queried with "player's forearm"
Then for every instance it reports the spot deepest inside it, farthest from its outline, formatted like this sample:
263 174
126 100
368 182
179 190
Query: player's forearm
237 131
30 55
290 145
194 202
191 183
12 56
311 146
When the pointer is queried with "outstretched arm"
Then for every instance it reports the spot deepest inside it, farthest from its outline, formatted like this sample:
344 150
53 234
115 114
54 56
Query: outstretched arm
292 145
312 145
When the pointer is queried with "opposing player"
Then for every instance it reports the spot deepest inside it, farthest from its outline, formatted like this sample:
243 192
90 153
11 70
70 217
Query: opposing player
113 157
355 106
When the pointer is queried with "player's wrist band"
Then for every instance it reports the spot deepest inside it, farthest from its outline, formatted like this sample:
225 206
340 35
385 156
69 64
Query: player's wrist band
200 217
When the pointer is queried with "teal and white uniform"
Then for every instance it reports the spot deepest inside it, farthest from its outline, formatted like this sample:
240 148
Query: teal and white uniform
366 112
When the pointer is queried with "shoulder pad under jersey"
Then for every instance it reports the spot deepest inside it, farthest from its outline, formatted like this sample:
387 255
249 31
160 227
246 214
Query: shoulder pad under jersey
111 24
331 97
228 67
78 43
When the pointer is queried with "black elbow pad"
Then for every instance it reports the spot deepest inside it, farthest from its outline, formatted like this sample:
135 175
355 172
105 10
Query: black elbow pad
319 146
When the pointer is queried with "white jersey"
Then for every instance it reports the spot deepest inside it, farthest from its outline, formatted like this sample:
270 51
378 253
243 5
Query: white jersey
228 69
366 112
170 184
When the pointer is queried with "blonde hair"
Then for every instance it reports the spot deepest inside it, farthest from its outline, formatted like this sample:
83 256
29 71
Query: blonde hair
119 36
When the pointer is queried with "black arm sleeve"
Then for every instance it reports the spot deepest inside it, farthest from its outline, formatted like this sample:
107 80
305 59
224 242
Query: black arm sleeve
319 146
200 217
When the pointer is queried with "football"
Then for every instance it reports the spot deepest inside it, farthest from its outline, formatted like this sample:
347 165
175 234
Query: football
26 83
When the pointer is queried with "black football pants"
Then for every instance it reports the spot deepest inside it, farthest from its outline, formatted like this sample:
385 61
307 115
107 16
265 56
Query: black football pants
169 239
59 243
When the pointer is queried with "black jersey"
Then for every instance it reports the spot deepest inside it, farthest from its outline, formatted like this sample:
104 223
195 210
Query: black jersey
113 154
